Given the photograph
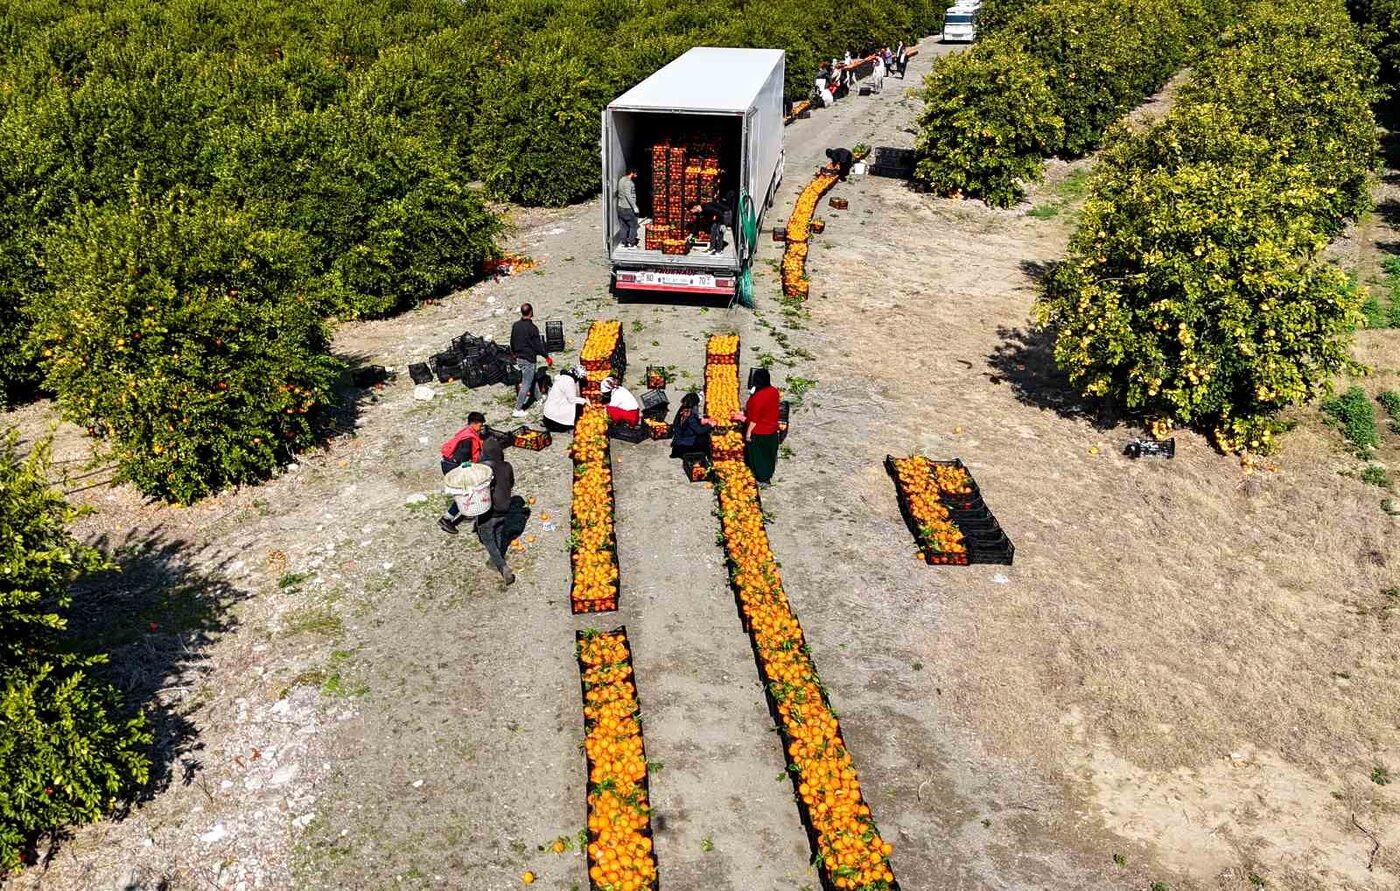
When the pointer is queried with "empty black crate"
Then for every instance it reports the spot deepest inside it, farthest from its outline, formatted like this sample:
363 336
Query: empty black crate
468 345
477 376
654 403
420 372
894 163
447 371
554 336
628 433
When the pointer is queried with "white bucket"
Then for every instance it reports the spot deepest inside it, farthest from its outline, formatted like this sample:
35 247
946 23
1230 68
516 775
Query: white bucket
470 484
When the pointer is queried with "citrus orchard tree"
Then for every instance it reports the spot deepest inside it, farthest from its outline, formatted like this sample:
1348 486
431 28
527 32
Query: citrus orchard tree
68 752
1195 291
179 334
988 120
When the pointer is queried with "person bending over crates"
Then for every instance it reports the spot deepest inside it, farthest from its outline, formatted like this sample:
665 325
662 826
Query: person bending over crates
562 405
721 214
623 407
490 526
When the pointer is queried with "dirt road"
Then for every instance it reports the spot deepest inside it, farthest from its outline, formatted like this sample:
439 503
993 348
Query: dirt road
1186 677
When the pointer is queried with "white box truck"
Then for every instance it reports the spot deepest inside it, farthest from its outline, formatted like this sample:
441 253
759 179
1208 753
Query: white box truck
730 101
960 22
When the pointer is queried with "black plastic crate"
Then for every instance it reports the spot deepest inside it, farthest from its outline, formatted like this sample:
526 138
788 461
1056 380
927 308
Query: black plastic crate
962 500
446 357
654 403
694 460
999 556
474 376
420 372
1146 448
367 376
505 437
447 371
554 336
628 433
467 345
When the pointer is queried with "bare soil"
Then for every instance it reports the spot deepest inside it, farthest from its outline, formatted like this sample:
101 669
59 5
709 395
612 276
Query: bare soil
1188 676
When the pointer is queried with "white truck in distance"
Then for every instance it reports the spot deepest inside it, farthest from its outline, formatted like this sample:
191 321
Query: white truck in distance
731 99
960 22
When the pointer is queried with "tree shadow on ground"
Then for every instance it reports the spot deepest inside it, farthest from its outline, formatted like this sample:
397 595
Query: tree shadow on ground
156 614
1037 271
339 418
1025 360
153 616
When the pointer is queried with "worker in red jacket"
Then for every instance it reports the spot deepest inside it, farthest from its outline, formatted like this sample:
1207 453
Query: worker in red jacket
463 448
761 427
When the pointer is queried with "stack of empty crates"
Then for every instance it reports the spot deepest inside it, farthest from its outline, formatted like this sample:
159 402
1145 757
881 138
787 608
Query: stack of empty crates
683 174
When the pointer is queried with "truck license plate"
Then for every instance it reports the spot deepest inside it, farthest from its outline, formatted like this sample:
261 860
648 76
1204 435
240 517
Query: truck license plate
674 278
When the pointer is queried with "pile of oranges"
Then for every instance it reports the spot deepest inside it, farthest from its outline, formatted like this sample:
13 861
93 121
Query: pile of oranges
722 378
593 541
727 445
600 344
534 440
795 282
941 539
849 848
951 480
722 349
656 429
619 848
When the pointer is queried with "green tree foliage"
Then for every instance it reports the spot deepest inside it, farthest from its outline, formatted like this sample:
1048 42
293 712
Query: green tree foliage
214 367
1091 61
1194 291
331 152
67 752
988 118
1380 21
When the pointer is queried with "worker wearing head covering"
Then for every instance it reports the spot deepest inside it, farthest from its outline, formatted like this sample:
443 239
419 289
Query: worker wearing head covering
623 407
761 427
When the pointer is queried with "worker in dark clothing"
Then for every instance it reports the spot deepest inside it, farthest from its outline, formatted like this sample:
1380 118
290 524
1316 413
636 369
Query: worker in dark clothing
721 214
841 159
528 347
490 525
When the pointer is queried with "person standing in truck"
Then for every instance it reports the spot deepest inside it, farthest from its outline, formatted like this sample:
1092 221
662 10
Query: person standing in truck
627 206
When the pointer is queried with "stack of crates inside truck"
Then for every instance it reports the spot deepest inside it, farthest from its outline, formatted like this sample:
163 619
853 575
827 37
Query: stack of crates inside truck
709 124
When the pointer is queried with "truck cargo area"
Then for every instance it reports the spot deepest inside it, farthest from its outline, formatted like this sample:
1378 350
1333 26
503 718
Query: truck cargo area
685 141
706 126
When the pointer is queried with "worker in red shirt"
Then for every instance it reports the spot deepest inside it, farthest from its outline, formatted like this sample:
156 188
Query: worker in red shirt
463 448
761 427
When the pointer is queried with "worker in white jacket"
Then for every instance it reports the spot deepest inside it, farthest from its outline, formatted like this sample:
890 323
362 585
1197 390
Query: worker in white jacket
627 206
